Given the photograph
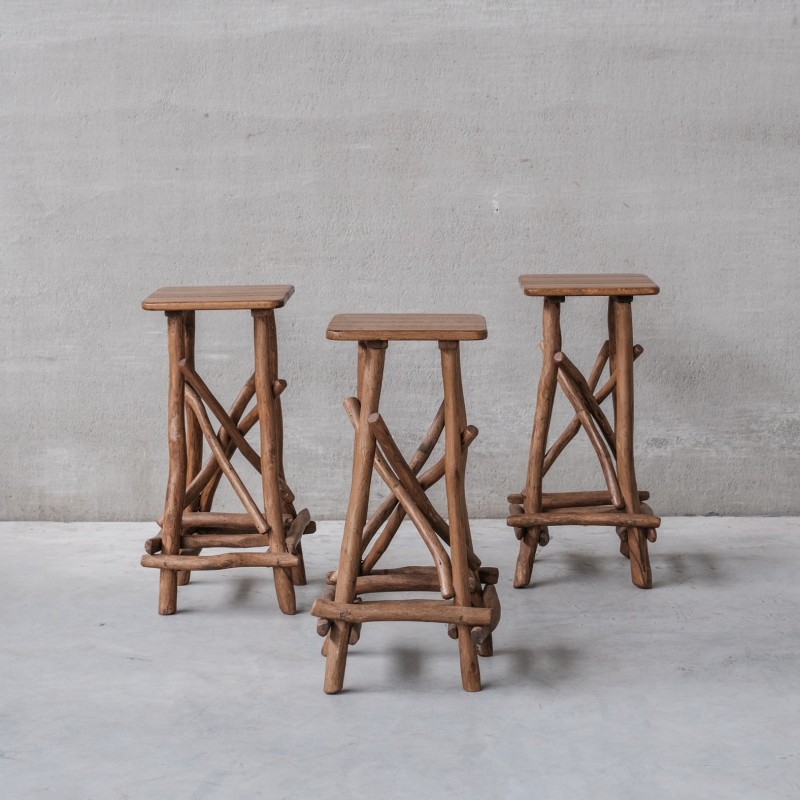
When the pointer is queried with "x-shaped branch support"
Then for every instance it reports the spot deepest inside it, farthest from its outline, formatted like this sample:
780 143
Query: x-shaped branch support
408 494
224 443
588 414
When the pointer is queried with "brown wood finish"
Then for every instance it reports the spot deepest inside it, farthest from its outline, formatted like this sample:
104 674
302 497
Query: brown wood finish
421 522
217 298
552 500
637 541
417 327
460 539
573 285
600 449
369 383
224 561
545 397
188 524
406 476
574 426
469 601
270 465
223 539
194 436
532 511
426 480
257 519
587 398
420 458
176 485
584 516
210 475
401 611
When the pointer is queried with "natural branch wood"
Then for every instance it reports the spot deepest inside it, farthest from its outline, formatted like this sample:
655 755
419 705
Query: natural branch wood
370 378
515 510
421 522
575 425
298 528
492 602
418 460
224 561
583 414
230 473
223 520
455 421
206 482
176 486
584 517
487 575
426 480
551 344
545 396
200 387
224 539
324 625
405 475
641 574
552 500
153 545
194 436
650 533
587 395
401 611
270 421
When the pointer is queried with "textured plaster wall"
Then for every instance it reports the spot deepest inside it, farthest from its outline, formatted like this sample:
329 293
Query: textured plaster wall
398 156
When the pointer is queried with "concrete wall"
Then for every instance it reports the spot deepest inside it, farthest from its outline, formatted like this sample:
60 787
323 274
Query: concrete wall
398 156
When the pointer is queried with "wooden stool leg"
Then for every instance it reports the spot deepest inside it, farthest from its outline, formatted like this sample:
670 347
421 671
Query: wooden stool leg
454 424
371 358
176 486
298 572
264 332
194 436
623 364
532 504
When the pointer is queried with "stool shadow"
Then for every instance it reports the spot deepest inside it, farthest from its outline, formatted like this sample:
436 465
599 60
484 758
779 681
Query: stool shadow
407 664
543 665
678 569
574 567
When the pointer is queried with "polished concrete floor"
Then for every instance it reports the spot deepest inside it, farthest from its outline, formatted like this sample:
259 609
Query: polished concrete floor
596 690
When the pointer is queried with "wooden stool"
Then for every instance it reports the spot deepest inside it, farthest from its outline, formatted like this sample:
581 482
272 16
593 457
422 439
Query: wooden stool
533 512
471 612
188 525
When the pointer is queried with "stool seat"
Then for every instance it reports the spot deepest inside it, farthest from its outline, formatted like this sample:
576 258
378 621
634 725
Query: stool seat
217 298
408 327
572 285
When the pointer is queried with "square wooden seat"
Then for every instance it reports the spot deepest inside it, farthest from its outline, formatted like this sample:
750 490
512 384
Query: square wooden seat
218 298
571 285
407 327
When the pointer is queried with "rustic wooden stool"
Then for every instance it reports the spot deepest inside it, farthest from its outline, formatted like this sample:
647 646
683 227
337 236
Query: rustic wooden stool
189 525
532 512
471 610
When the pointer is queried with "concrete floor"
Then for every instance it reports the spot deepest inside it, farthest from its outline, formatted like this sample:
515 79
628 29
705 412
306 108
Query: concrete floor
596 690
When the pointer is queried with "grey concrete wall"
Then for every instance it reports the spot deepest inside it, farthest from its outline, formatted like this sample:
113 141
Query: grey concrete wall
398 156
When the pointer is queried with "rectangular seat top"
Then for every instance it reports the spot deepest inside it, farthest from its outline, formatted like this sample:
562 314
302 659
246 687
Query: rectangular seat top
386 327
595 285
217 298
